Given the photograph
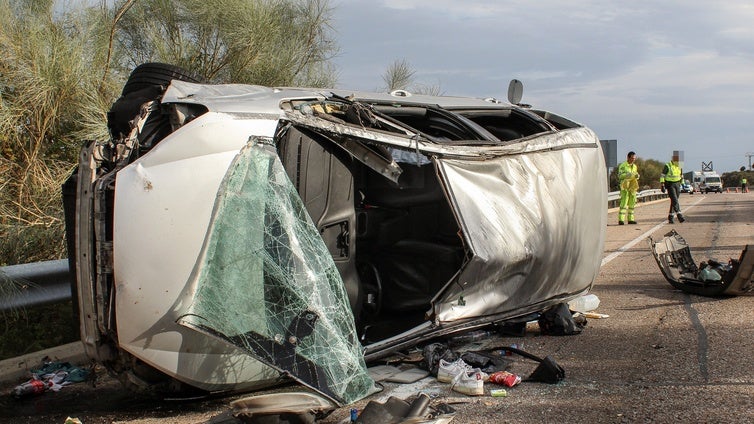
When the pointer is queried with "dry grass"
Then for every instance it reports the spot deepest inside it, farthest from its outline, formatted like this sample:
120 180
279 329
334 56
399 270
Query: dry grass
49 98
61 70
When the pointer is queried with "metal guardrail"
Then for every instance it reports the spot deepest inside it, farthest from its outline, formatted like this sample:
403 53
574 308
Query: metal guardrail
42 283
613 198
38 283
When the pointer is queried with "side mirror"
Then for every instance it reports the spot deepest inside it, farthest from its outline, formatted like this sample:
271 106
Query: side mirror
515 91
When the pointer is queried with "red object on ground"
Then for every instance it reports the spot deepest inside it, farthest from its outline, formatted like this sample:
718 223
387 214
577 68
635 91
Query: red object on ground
505 378
31 387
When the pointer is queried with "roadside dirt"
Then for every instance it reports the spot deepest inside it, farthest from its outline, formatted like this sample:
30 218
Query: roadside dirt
105 400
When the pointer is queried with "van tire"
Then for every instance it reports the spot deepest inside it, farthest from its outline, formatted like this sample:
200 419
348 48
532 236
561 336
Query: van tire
147 82
155 74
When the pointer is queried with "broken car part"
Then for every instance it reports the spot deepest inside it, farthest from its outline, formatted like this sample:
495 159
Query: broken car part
673 256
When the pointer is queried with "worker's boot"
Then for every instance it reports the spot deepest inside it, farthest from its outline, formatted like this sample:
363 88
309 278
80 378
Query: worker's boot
670 219
681 218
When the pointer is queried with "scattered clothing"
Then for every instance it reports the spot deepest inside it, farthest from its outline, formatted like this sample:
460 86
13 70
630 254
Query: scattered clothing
51 377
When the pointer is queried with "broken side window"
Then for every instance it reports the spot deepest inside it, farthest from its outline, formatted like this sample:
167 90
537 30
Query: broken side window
266 283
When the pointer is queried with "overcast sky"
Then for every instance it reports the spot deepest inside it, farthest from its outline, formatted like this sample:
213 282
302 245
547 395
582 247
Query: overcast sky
656 75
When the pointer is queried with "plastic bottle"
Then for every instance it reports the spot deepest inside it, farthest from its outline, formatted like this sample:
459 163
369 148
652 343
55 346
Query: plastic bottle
31 387
584 303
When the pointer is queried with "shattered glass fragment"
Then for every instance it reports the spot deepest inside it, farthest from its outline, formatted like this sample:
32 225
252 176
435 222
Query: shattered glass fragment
266 283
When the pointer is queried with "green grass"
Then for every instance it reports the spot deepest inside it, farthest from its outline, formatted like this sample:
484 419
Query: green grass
21 244
30 330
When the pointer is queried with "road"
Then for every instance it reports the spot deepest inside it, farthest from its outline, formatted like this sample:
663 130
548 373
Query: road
662 356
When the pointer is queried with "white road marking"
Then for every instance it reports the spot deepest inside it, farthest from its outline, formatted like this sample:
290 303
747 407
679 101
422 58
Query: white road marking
633 242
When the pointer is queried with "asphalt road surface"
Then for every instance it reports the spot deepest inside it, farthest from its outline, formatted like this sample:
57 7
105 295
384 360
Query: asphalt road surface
662 356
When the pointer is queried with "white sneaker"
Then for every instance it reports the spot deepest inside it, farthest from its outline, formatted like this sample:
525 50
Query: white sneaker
469 383
447 371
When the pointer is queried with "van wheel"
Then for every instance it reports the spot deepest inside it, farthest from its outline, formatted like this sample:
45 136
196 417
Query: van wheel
155 74
146 83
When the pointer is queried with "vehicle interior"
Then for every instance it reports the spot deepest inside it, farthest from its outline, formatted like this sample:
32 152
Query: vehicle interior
396 244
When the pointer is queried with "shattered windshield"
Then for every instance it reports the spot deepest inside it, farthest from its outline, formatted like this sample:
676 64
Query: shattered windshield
266 283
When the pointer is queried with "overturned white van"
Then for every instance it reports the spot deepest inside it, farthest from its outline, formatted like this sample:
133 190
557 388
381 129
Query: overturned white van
232 236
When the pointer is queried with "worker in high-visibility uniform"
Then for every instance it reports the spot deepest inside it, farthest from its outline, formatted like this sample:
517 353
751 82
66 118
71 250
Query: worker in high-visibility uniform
744 187
670 181
628 177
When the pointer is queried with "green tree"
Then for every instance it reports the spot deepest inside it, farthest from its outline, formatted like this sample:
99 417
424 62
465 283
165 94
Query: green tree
267 42
62 68
49 101
650 170
733 179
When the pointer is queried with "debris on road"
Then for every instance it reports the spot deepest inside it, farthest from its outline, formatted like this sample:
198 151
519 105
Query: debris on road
52 376
709 278
558 320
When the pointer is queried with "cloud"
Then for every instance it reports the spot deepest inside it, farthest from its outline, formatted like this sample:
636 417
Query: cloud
651 74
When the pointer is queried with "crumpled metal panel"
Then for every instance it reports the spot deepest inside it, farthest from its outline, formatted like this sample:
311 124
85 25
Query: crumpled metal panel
534 220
